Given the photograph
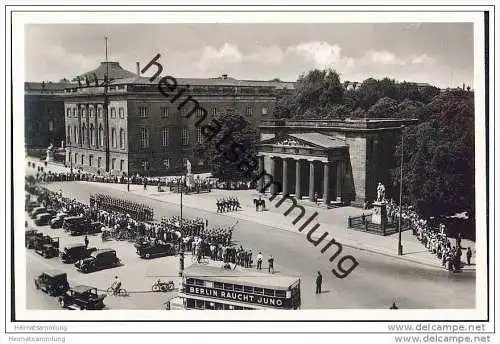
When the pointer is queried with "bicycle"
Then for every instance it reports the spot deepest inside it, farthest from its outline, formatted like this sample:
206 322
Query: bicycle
163 286
120 292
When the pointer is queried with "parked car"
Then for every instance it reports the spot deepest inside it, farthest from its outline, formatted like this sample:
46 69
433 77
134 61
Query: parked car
86 227
74 221
76 252
43 219
98 260
36 211
53 282
30 205
34 238
48 250
44 240
57 221
148 250
82 297
29 234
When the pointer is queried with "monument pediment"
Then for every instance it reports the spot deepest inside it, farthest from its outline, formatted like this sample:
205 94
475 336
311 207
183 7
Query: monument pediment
305 140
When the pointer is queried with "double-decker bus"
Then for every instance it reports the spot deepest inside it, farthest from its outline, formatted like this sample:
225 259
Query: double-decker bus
207 287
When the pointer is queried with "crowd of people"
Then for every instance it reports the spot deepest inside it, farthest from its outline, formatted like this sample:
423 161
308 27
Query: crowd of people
436 240
228 204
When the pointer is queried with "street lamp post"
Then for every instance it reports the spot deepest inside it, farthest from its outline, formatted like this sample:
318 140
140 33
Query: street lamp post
400 246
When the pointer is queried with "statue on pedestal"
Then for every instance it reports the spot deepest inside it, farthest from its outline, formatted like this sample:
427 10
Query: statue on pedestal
189 175
50 153
380 193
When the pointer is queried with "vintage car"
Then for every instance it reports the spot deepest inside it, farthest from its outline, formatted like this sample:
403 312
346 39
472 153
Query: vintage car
38 210
53 282
32 237
148 250
73 221
57 221
86 227
76 252
38 242
30 205
98 260
43 218
48 251
82 297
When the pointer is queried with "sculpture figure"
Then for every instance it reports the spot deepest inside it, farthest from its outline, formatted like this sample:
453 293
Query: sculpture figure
380 192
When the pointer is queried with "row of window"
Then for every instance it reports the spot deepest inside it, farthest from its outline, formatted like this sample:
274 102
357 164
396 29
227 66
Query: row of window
164 111
144 137
82 136
236 287
144 112
91 161
72 111
166 163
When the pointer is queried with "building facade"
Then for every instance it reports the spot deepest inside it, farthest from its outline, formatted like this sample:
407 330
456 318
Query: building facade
44 114
130 127
333 162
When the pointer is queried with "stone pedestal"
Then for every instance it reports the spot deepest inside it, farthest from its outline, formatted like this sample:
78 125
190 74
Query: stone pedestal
379 213
50 156
190 180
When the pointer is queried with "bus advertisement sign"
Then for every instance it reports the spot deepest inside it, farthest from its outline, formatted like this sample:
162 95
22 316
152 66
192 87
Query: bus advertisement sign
271 301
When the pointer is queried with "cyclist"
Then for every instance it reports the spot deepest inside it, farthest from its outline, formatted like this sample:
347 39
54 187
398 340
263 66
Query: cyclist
116 285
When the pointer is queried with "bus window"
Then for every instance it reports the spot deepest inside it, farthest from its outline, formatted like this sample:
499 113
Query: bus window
248 289
199 282
218 285
238 287
280 293
268 292
258 290
190 281
228 286
198 304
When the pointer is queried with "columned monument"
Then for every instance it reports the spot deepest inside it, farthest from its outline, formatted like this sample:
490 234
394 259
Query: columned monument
189 175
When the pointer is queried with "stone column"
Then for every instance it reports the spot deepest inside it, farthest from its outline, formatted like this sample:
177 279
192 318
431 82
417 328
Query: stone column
284 185
311 180
272 171
298 179
79 111
87 119
261 171
326 184
96 127
340 181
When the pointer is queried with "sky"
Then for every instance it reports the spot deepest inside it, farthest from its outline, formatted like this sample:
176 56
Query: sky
440 54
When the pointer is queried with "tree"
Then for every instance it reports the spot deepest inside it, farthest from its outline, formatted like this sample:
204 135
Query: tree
372 90
236 130
285 106
438 165
383 108
410 109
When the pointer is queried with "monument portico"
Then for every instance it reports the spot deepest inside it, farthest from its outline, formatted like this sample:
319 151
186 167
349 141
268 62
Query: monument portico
332 162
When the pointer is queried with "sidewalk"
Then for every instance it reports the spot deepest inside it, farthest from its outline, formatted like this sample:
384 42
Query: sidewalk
334 221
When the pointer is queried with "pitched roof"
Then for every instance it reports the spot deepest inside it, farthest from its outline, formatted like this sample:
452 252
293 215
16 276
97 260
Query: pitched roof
321 140
114 70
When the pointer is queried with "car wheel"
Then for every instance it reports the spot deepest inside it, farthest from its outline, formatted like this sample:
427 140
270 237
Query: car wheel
155 288
62 303
147 256
82 308
37 285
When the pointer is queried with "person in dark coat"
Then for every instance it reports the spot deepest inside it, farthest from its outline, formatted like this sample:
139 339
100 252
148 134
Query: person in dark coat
394 306
271 264
468 255
319 281
86 240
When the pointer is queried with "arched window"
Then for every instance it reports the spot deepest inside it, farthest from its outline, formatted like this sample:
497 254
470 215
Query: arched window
113 137
92 133
122 138
77 136
101 135
84 133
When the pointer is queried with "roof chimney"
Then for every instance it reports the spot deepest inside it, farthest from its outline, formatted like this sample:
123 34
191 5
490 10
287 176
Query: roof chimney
224 76
138 69
463 86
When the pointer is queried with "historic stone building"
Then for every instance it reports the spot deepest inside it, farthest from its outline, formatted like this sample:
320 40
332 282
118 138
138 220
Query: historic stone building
130 127
339 162
44 114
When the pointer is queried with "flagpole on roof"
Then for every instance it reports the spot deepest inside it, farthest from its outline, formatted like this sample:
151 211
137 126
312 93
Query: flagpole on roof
107 65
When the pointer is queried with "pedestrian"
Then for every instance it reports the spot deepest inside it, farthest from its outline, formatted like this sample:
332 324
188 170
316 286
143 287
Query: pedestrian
259 261
145 183
459 241
468 255
394 306
270 261
128 184
86 240
319 281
